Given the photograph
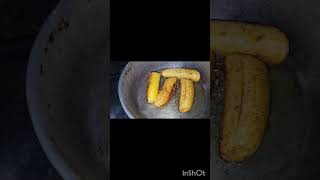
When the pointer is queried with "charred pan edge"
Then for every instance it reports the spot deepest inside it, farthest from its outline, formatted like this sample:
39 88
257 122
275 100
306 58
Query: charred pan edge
217 99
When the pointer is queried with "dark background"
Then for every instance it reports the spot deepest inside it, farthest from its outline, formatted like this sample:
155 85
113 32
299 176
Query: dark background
160 30
159 148
21 156
116 110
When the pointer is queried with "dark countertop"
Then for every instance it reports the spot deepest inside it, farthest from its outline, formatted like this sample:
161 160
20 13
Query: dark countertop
21 156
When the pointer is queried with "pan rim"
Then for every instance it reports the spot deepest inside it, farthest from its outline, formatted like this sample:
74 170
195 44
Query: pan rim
121 94
35 102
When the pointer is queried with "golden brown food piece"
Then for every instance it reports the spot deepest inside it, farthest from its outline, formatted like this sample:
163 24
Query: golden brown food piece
166 92
182 73
153 86
246 107
267 43
186 95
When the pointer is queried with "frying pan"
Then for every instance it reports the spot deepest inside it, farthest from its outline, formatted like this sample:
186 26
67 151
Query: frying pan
67 89
67 82
133 83
289 149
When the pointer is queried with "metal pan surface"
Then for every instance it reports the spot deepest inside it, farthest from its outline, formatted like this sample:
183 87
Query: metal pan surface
132 91
288 150
67 89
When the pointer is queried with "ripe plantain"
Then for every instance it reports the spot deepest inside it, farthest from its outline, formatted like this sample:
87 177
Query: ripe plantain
182 73
186 95
166 92
246 107
153 86
267 43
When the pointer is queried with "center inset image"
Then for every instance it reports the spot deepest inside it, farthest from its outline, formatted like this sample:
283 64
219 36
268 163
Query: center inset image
165 89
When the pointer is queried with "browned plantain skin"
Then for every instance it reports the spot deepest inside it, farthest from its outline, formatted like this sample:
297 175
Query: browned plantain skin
246 107
166 92
182 73
186 95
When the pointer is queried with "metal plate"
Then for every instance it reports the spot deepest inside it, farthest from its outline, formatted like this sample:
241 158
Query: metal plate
288 150
132 91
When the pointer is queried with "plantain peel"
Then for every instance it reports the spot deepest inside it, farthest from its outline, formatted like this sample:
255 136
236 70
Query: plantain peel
153 86
186 95
182 73
166 92
246 110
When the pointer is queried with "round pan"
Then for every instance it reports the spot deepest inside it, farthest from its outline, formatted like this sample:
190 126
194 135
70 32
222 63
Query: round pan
132 91
67 89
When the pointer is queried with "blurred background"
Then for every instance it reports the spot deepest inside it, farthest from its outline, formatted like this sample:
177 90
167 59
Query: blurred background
21 156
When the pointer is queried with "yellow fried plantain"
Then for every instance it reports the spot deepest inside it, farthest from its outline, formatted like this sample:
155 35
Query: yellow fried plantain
166 92
186 95
267 43
246 107
182 73
153 86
